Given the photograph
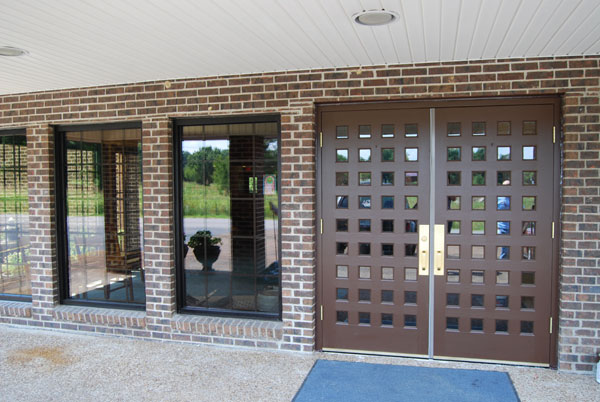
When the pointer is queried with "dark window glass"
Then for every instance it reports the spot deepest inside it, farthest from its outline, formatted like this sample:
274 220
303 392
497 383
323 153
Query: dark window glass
364 225
410 320
15 276
230 217
387 225
387 249
476 324
341 225
387 296
410 297
103 186
387 319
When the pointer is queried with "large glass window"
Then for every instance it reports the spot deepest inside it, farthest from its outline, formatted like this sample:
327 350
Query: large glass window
230 218
15 278
103 208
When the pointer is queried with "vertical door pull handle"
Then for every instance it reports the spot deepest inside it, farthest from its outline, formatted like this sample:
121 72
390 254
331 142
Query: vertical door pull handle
424 250
438 240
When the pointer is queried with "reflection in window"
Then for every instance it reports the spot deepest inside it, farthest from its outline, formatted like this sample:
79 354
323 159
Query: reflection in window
14 217
341 132
103 207
411 154
230 216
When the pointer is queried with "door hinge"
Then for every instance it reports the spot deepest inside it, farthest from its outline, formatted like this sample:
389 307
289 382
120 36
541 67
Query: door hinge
553 229
321 226
554 134
550 324
321 312
321 139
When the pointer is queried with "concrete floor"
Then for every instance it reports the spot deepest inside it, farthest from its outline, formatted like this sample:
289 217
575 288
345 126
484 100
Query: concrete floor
37 364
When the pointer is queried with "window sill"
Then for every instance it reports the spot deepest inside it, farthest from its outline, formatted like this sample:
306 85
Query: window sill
101 316
9 308
228 327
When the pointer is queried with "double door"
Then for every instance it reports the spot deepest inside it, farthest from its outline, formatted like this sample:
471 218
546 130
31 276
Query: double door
438 229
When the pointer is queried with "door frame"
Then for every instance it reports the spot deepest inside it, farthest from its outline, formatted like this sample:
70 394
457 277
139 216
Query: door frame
557 164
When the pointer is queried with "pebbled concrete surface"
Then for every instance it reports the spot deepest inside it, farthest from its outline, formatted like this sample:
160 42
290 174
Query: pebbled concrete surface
38 364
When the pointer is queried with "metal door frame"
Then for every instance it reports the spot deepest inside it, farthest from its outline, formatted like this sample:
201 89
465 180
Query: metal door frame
432 105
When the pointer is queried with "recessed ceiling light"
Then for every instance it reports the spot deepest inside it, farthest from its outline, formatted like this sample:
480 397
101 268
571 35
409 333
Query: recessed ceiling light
375 17
12 51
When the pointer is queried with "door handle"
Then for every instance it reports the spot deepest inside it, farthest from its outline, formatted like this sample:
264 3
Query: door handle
438 249
423 249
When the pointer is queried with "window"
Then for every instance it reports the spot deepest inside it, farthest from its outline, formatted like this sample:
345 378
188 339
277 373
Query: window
99 182
15 281
228 214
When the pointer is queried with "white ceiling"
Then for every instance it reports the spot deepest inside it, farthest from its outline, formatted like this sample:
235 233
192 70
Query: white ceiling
78 43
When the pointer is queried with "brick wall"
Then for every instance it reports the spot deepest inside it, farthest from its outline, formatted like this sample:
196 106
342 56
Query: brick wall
293 95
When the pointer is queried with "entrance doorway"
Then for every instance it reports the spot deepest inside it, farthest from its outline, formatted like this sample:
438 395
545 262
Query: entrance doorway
439 232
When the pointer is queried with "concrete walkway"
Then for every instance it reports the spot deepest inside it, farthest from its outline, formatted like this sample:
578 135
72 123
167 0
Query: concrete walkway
43 365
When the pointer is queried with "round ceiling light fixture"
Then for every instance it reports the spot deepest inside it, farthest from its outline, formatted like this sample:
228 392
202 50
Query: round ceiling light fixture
10 51
375 17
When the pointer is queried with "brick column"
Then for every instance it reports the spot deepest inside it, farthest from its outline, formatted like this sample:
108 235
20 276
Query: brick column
298 208
42 221
159 244
579 334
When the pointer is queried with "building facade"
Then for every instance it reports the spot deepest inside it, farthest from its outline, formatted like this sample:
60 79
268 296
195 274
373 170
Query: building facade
154 120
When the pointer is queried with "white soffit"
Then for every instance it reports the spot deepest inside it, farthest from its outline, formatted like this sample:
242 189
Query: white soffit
80 43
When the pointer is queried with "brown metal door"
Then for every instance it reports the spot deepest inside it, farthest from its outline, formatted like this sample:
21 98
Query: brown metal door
488 184
375 193
495 198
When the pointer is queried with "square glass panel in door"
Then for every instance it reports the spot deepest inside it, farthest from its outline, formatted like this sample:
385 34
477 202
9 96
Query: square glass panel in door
341 178
454 178
503 178
454 154
341 294
387 155
529 153
387 178
341 132
411 130
503 154
364 131
364 155
478 153
233 238
478 202
387 202
530 127
528 228
341 155
364 179
503 128
503 203
529 203
453 129
478 128
529 178
478 178
387 131
454 202
364 225
411 178
364 202
411 202
341 225
453 227
411 154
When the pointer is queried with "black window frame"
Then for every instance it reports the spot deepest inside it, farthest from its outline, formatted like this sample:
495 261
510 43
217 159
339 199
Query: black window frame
61 213
11 296
178 126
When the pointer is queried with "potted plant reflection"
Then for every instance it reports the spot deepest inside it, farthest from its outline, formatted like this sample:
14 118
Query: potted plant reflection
206 248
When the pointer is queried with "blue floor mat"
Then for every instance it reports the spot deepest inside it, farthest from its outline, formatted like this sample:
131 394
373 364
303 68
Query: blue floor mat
347 381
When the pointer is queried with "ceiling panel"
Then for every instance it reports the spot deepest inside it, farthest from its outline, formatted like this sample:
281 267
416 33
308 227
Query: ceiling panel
78 43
